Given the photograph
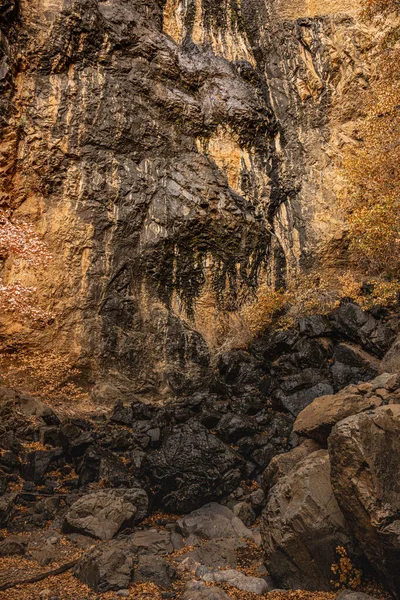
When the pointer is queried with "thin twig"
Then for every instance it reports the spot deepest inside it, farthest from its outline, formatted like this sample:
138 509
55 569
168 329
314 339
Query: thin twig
35 578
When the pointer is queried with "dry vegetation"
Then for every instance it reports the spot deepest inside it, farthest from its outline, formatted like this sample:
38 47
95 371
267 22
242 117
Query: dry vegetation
52 377
370 207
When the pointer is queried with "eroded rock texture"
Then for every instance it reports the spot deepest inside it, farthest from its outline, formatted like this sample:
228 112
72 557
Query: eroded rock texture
166 148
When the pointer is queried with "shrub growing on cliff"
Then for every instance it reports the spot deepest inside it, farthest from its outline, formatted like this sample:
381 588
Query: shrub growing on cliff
372 168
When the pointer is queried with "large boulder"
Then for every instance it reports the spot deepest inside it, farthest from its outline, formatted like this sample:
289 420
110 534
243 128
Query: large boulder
192 466
106 567
302 525
318 418
214 521
104 513
282 464
365 457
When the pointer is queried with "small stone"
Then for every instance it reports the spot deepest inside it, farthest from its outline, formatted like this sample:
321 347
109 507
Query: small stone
188 564
123 593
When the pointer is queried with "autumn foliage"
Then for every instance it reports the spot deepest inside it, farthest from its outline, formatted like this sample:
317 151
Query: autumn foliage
372 168
20 242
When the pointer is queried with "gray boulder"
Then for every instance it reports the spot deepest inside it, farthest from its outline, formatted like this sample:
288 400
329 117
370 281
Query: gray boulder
365 457
253 585
154 569
352 595
302 525
104 513
106 567
213 521
197 590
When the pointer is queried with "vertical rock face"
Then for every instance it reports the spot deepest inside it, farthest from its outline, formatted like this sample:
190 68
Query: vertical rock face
165 148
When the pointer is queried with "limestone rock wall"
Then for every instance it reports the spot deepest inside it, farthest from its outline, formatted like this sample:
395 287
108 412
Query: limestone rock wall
165 146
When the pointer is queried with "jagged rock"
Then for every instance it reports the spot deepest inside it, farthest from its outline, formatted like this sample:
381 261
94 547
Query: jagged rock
191 467
302 525
315 326
75 439
282 464
352 365
6 507
241 371
98 464
102 514
12 546
233 426
106 567
38 462
28 405
365 456
257 499
317 419
154 569
390 363
197 590
254 585
245 513
213 521
358 326
298 390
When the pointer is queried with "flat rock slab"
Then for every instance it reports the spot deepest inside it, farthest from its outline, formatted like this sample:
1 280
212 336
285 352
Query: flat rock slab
152 541
214 521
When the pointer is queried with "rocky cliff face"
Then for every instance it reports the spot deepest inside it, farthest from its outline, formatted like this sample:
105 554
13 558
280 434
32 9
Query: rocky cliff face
167 148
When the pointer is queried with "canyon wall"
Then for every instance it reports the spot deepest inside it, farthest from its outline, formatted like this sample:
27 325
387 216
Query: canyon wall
166 149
